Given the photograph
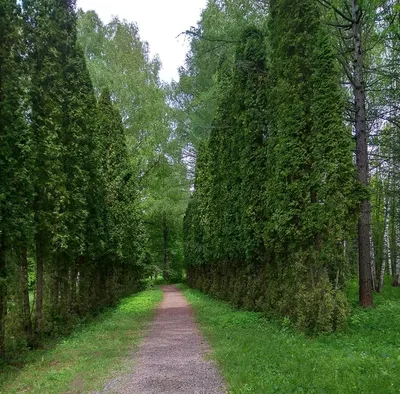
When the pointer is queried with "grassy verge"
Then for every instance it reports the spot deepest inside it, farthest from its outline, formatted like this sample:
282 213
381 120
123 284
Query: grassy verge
260 356
87 358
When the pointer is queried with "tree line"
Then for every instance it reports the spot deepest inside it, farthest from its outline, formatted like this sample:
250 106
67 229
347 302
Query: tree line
72 237
118 59
292 119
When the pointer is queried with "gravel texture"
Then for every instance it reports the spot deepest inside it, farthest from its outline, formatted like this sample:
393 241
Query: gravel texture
171 358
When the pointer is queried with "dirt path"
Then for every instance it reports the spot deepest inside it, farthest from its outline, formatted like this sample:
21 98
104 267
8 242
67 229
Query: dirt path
171 358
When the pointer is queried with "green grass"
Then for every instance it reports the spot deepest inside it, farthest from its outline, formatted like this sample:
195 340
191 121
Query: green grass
86 359
260 356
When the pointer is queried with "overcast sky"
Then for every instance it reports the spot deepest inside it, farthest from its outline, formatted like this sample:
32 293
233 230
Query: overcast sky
159 21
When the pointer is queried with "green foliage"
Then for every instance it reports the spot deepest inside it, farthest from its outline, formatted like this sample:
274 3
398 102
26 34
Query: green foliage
213 39
275 184
71 234
120 62
364 359
16 155
167 192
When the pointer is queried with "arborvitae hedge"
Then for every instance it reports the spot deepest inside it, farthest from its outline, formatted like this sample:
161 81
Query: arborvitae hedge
71 235
272 205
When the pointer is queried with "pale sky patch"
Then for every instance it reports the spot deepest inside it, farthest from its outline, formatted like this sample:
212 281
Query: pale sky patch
159 21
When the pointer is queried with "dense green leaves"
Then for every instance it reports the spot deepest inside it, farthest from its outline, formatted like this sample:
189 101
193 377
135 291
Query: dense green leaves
15 154
72 238
275 191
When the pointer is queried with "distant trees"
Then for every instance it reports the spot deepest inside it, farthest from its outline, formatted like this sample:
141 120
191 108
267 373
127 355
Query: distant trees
118 60
166 191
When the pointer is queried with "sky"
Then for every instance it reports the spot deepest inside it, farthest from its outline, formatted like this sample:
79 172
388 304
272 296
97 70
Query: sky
159 21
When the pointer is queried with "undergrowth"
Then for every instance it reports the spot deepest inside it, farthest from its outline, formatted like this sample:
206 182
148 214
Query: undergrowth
84 360
261 356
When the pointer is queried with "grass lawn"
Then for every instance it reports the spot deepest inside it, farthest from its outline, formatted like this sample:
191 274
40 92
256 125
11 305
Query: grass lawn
256 355
86 359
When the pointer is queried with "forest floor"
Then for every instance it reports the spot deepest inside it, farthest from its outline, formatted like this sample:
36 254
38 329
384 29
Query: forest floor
89 357
109 356
263 356
253 354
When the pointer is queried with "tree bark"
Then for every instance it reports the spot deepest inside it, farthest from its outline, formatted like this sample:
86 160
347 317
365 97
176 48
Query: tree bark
39 284
393 228
386 247
3 293
396 276
165 248
373 261
24 283
74 285
364 224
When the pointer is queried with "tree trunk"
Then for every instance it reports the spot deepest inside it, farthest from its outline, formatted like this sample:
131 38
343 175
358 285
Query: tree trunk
74 285
24 283
39 284
392 227
364 224
64 276
3 293
165 248
396 277
386 247
55 289
373 261
395 257
82 288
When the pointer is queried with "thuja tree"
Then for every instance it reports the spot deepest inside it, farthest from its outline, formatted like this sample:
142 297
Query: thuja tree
273 202
119 267
47 65
312 182
15 174
223 226
80 166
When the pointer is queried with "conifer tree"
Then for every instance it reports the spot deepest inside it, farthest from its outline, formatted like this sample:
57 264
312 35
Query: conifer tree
275 184
224 222
15 167
309 192
46 94
79 162
122 224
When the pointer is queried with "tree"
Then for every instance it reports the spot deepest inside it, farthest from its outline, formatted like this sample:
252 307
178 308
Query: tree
167 192
275 189
365 29
48 65
15 167
124 250
120 62
311 191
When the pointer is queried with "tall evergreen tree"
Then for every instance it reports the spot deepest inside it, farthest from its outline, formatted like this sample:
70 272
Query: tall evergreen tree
49 50
15 164
275 184
311 187
123 225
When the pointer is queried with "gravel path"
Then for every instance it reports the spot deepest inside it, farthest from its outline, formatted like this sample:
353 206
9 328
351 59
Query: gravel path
171 358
